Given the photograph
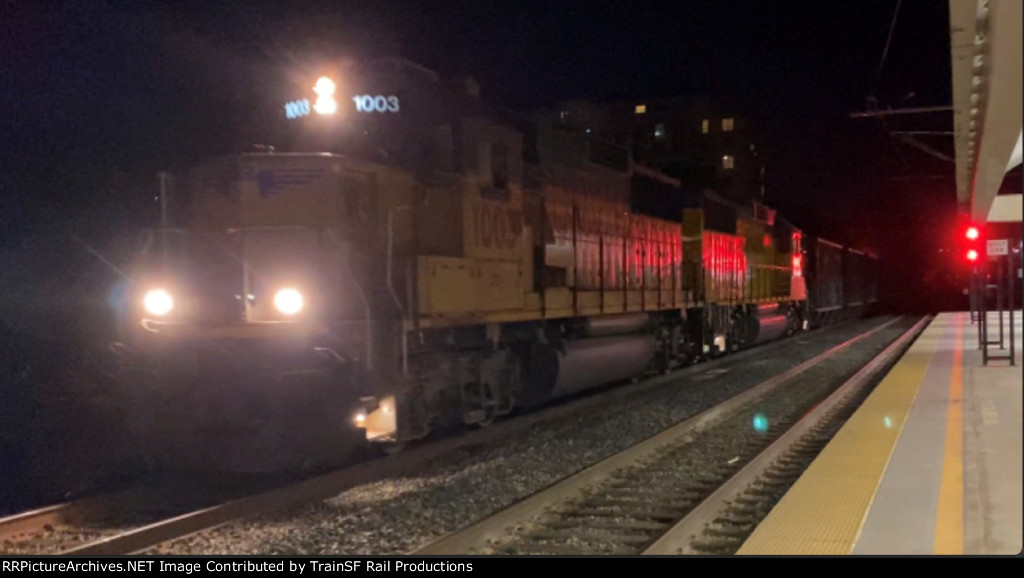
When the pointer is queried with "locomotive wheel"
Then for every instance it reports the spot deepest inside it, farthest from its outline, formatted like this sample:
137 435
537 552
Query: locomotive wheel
490 406
664 364
483 405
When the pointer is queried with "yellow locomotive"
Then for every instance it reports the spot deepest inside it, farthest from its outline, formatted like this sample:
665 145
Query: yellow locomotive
303 304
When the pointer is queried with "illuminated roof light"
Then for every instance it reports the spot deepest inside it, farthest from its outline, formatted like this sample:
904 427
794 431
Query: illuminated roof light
324 86
325 103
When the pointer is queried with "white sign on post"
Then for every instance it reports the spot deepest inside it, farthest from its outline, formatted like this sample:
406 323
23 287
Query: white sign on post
998 247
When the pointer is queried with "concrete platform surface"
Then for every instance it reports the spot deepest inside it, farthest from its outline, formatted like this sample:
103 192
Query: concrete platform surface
930 464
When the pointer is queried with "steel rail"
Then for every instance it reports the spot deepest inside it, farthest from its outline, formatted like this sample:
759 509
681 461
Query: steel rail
16 525
677 540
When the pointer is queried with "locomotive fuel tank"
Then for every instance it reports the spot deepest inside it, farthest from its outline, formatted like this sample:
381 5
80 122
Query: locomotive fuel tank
771 327
614 324
584 364
769 323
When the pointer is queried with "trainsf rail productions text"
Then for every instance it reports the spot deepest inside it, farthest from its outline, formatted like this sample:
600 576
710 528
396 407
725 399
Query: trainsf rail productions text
196 566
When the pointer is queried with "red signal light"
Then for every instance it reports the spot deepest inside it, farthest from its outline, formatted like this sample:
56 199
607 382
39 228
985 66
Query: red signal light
972 243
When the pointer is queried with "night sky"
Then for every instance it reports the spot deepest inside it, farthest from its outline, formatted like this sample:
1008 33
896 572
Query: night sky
101 97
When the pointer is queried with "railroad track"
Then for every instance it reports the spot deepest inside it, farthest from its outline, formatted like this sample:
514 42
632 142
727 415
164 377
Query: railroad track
698 487
112 523
41 530
87 528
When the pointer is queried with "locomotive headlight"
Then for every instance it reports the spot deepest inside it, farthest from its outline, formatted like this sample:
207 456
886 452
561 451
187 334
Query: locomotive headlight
158 302
289 301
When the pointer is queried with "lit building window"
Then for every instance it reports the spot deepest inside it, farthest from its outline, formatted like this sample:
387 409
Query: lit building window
659 131
564 114
727 162
704 125
641 108
727 124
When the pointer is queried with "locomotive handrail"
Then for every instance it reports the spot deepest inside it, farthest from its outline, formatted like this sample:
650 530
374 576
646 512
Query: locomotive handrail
362 297
391 285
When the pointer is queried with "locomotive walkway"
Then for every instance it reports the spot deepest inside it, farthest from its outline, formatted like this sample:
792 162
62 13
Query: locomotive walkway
930 463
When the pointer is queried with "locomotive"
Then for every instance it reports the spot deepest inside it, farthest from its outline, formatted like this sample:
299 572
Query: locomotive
305 305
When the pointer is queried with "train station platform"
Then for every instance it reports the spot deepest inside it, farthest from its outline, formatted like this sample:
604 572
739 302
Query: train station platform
931 463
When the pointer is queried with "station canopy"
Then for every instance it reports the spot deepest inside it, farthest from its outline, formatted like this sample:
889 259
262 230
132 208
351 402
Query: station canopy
985 41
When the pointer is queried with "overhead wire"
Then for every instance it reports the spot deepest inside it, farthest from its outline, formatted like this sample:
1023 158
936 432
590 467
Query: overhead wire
888 42
878 80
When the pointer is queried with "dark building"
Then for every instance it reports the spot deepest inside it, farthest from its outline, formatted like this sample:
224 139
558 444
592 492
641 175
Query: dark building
702 144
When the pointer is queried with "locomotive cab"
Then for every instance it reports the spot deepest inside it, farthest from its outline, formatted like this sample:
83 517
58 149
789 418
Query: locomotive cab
251 322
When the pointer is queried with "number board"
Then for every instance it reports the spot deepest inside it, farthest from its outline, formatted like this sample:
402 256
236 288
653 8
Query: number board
377 103
296 108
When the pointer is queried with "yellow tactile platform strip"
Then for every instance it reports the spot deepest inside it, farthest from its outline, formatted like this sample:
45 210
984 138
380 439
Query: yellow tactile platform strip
824 510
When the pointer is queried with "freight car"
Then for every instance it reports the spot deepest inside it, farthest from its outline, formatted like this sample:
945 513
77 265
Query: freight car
842 282
308 303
